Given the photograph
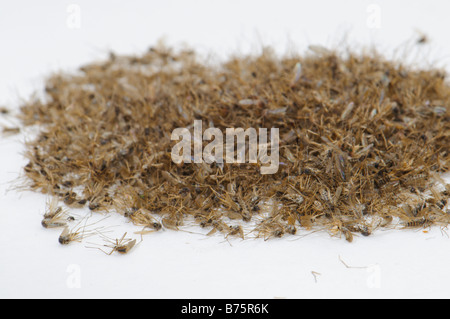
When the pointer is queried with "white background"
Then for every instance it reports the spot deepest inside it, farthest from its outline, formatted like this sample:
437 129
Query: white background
40 37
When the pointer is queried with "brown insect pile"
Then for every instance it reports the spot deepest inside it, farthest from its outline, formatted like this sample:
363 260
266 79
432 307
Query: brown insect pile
363 142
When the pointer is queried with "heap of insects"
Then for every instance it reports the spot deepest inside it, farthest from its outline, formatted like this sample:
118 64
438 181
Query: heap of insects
363 143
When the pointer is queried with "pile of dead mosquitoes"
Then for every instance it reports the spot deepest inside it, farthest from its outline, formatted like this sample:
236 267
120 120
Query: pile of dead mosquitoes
363 143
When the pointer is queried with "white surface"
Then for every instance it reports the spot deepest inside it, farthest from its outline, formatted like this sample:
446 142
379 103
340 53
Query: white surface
37 40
